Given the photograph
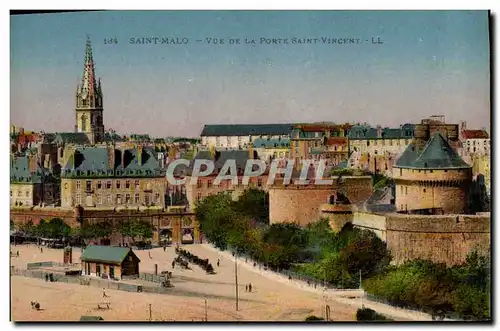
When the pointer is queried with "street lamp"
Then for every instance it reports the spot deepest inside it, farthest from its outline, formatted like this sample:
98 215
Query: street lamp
236 277
206 313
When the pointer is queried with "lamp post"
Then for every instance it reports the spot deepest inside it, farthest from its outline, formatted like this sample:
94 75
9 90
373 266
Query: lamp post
206 311
236 277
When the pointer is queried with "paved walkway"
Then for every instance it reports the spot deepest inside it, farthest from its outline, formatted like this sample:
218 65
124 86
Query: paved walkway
350 297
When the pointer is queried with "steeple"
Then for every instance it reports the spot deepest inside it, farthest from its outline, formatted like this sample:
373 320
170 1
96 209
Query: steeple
89 105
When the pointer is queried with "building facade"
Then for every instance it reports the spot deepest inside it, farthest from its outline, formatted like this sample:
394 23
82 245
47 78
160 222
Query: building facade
109 178
240 136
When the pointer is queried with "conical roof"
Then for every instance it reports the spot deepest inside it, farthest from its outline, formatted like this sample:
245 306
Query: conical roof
437 154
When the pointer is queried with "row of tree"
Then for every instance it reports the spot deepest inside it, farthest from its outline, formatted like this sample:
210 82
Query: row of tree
56 228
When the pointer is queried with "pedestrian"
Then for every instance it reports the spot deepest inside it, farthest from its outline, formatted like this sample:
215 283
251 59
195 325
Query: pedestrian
41 249
246 287
173 264
218 262
46 277
249 287
17 253
164 248
104 295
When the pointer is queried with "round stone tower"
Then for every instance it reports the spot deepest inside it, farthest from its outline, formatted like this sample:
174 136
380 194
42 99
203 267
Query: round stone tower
432 179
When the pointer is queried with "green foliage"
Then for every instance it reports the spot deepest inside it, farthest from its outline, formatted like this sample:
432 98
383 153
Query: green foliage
28 228
53 229
96 230
365 252
254 203
367 314
314 318
434 287
136 229
13 226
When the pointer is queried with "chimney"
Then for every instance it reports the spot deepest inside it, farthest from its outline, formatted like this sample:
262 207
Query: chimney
111 156
32 163
139 155
379 131
123 157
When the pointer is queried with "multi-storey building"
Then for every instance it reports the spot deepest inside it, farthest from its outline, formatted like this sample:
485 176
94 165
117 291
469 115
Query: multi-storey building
376 149
206 185
475 142
31 184
319 141
239 136
109 177
272 149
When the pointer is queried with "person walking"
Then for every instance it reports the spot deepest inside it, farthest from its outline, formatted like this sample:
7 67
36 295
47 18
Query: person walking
218 262
104 295
246 287
249 287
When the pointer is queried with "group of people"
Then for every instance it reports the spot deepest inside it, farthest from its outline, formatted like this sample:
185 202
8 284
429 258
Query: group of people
248 287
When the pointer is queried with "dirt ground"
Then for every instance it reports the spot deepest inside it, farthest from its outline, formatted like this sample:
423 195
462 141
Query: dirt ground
269 300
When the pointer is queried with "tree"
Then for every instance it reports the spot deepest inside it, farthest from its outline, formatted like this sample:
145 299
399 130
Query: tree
28 228
13 226
367 314
366 252
255 204
56 228
136 229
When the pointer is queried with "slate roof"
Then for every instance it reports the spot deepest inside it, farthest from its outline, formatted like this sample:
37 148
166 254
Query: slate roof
19 172
271 143
77 138
246 129
93 161
110 254
240 156
436 154
368 132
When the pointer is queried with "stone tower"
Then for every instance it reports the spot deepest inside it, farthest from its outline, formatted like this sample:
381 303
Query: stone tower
89 119
432 179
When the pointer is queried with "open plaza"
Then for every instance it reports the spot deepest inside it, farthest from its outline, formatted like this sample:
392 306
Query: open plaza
270 299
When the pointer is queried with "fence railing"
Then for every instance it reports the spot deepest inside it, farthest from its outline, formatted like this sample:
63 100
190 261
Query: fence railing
89 281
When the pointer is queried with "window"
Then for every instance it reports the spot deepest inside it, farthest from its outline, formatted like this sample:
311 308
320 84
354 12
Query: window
424 190
99 184
18 193
118 199
65 186
109 199
198 183
78 199
127 198
137 198
88 185
367 143
78 184
27 194
198 198
10 193
209 183
127 184
406 189
259 182
118 184
147 198
401 172
157 198
137 184
99 199
108 184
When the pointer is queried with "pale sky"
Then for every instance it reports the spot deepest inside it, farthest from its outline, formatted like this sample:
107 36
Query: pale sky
429 63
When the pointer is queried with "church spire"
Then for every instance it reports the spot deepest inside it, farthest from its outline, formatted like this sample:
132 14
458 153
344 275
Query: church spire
89 85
